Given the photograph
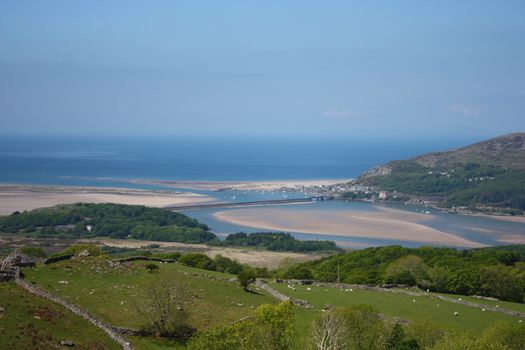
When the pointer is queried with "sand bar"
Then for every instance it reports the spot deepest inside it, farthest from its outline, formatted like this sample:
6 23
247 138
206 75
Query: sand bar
22 197
385 223
272 185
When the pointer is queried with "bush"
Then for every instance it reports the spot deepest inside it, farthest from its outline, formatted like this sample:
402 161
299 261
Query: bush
246 277
93 249
36 252
224 264
272 328
198 260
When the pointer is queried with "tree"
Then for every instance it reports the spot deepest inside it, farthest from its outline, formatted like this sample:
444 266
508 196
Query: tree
399 341
271 328
246 277
426 333
328 332
408 269
299 272
364 328
502 283
162 309
276 326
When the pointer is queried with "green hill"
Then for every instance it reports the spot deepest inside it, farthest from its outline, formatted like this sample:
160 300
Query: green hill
84 220
214 302
486 176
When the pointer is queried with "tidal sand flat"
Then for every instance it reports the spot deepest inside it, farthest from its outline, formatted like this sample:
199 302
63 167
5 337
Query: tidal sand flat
385 223
21 197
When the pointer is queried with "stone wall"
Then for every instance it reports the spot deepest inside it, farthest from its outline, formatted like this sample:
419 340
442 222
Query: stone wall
280 296
415 292
58 258
109 330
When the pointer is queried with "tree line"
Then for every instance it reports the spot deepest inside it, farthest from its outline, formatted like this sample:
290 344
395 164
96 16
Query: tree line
493 272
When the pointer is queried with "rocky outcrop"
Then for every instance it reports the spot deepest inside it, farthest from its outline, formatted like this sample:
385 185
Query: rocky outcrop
12 262
16 259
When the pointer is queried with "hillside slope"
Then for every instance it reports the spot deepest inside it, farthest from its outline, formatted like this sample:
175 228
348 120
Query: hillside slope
483 176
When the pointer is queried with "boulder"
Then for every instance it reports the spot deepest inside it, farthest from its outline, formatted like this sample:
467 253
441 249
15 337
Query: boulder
67 343
82 254
16 259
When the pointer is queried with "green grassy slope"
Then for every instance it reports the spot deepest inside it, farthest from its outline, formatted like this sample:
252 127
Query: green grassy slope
470 319
112 294
29 322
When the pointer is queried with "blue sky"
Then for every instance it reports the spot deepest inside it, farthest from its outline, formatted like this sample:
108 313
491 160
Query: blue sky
302 68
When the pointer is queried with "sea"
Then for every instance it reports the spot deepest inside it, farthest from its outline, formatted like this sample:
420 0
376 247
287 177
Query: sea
118 161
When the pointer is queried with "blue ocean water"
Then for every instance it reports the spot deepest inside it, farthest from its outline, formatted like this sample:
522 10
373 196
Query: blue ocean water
114 161
106 161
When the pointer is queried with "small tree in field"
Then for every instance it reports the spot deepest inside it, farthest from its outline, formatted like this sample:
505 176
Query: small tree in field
328 332
246 277
162 309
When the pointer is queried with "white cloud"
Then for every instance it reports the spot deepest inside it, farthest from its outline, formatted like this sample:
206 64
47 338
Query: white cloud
337 113
464 109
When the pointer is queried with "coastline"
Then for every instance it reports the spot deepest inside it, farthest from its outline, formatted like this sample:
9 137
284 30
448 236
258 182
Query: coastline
15 197
258 185
433 205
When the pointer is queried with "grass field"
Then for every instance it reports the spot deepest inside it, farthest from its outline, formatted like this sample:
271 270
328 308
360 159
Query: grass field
503 304
425 308
113 294
29 322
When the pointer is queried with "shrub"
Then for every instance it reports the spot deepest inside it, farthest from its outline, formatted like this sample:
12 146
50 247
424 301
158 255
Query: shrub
198 260
36 252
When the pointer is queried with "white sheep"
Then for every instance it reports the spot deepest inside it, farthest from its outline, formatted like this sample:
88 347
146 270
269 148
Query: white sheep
456 313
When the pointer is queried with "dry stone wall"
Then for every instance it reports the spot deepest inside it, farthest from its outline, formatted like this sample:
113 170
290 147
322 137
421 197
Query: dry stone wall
415 292
109 330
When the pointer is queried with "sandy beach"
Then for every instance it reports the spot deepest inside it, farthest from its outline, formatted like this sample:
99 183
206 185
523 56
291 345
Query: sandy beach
386 223
244 185
512 239
22 197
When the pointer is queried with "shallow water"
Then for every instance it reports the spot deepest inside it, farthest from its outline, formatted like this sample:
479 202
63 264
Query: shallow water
483 230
